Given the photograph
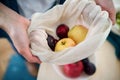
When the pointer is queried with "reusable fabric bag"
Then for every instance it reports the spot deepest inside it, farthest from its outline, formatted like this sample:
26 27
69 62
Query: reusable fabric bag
72 12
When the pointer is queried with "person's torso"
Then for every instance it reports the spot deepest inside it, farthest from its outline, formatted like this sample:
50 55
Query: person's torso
29 7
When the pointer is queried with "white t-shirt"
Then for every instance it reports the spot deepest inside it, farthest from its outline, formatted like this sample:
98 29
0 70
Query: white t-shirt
29 7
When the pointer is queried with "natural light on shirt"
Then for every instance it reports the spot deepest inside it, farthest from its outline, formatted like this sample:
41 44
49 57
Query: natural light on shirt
29 7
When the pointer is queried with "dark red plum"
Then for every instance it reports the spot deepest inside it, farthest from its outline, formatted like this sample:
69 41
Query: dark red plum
51 41
62 31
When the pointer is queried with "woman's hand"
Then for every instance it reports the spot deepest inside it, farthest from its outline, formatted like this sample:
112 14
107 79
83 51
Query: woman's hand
108 6
16 26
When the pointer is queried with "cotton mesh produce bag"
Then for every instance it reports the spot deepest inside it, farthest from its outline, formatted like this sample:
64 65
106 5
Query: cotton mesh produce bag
72 12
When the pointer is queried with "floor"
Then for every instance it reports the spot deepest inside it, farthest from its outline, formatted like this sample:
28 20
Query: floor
6 53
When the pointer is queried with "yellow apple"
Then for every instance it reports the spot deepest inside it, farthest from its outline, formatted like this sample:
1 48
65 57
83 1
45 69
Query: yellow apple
78 33
64 43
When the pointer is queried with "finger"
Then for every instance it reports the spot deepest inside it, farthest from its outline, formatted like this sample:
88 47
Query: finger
109 8
112 13
33 59
30 58
112 16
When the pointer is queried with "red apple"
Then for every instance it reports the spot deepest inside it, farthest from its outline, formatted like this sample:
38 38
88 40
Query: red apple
62 31
73 70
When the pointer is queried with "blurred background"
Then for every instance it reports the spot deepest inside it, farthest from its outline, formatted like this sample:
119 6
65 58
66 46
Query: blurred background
14 67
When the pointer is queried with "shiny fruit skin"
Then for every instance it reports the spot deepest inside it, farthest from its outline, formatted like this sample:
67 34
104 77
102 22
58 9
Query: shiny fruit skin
89 68
51 42
62 31
78 33
64 43
73 70
85 61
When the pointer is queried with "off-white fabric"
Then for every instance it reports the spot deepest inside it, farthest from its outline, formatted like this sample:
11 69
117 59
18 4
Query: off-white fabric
72 12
